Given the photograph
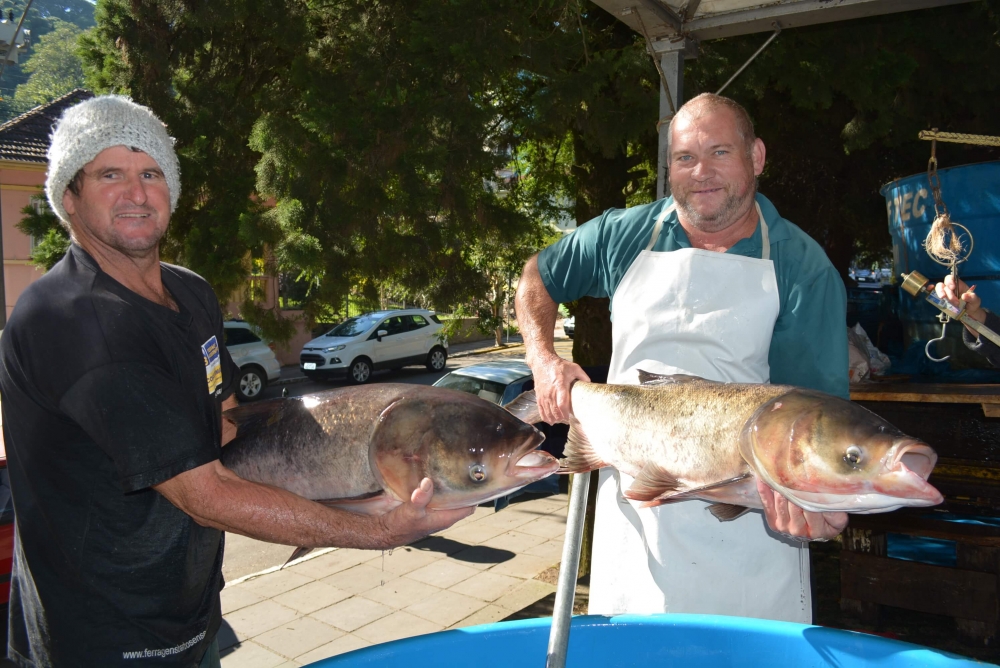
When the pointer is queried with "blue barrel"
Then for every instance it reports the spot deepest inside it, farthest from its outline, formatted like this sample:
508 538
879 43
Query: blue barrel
688 641
972 195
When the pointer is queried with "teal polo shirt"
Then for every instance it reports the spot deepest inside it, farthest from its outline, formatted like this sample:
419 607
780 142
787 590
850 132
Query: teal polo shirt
809 343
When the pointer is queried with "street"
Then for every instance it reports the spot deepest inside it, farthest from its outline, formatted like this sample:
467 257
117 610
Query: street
243 555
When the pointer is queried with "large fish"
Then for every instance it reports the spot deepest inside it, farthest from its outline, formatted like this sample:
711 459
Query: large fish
683 437
366 449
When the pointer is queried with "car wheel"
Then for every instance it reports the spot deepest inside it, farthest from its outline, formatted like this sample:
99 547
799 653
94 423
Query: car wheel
437 358
251 383
360 371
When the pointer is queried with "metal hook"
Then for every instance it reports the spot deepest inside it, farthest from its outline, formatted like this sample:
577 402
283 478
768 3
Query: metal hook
944 320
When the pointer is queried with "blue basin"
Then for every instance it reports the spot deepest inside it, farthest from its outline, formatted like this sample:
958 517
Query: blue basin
660 641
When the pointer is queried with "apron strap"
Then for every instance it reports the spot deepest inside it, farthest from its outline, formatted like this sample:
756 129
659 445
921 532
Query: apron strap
765 241
659 225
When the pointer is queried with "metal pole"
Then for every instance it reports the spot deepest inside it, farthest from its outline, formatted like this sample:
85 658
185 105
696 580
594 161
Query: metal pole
562 613
777 31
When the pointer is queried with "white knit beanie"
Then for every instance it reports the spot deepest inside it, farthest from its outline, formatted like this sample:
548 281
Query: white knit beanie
86 129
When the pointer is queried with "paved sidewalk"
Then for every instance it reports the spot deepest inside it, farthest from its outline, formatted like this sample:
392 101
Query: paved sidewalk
479 571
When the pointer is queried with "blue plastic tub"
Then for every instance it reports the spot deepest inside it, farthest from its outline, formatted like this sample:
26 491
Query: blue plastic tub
660 641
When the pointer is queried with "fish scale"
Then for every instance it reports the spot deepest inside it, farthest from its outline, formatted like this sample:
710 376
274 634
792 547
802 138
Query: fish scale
684 427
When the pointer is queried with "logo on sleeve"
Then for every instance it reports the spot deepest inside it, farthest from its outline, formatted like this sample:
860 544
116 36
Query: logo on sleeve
213 366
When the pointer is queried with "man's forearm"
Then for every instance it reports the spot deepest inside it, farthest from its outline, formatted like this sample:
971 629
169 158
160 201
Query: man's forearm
214 496
536 314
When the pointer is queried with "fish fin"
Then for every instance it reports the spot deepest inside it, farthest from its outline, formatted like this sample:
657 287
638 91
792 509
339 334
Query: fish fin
525 408
580 456
672 496
260 413
652 484
297 554
724 512
649 378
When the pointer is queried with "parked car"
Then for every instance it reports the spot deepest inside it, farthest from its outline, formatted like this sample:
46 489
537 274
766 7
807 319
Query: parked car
569 326
379 340
258 365
499 381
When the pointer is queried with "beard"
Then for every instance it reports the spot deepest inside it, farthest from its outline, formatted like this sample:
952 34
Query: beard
739 197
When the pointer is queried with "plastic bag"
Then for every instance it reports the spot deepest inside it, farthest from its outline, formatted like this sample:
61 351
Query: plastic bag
861 349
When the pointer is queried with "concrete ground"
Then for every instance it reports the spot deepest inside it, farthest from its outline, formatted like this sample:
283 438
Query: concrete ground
479 571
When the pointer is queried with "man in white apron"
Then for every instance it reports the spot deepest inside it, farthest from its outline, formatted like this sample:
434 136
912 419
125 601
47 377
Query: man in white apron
711 282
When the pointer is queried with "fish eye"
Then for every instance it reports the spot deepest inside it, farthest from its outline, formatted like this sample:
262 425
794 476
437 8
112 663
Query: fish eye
853 455
477 472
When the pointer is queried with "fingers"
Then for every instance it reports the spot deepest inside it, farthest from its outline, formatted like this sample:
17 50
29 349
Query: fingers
553 389
422 495
787 518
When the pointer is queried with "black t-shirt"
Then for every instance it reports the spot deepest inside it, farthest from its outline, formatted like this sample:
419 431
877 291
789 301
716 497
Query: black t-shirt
105 394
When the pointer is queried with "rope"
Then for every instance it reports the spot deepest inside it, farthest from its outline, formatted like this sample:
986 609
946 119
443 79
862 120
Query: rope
943 244
959 138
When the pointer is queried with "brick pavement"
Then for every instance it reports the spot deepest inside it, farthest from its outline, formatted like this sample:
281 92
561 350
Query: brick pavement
479 571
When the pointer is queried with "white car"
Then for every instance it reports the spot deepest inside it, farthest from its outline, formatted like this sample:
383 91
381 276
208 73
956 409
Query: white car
379 340
258 365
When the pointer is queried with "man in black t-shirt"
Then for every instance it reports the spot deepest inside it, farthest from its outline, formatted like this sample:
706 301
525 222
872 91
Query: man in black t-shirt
114 379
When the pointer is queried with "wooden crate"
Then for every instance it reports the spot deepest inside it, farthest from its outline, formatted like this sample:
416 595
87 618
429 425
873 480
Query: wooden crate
968 592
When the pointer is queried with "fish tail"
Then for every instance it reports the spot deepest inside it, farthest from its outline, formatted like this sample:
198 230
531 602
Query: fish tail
525 408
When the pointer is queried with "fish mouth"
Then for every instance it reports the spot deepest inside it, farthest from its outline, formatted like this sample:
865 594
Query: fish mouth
907 471
529 462
915 457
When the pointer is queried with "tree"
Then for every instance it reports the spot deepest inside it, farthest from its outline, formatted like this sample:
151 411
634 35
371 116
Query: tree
380 145
54 68
204 69
585 111
38 23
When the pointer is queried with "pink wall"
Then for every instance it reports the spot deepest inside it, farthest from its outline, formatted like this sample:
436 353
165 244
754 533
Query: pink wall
18 182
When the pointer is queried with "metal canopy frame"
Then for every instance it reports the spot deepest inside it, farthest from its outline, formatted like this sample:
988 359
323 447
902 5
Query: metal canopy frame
674 29
713 19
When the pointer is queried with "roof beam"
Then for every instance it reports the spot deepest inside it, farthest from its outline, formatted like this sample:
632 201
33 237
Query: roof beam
664 13
789 13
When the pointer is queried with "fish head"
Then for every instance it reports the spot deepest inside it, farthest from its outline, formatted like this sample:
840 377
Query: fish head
827 454
472 450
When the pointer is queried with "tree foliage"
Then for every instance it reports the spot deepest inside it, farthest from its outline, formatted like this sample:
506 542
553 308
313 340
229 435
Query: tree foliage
54 68
204 67
42 18
356 145
382 142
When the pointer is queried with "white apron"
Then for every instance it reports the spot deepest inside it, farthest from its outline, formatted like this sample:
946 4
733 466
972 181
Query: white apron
707 314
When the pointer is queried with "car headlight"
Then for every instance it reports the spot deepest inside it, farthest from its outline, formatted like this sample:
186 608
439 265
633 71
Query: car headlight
334 348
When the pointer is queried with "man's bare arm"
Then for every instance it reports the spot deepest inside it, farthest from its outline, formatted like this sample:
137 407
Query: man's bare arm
536 318
216 497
